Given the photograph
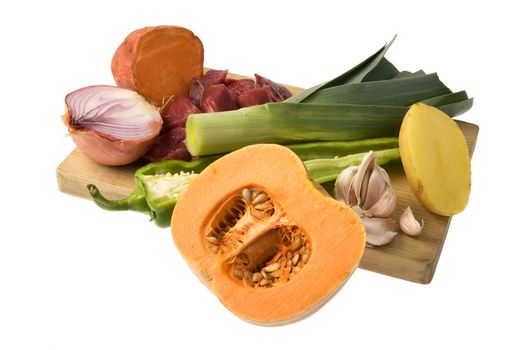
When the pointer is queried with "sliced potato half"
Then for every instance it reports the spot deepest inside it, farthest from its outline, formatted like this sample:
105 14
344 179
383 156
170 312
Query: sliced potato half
436 159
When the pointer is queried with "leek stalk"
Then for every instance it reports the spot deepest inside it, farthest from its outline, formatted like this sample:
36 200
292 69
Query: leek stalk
284 123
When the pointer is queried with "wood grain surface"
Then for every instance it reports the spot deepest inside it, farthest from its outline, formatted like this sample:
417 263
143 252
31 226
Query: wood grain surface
409 258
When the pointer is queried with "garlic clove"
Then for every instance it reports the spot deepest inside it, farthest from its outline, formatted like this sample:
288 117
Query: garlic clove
379 231
375 187
409 224
343 185
359 212
385 205
361 178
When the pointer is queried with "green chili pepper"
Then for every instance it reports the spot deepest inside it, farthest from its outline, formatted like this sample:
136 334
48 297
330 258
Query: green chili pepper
326 170
333 149
163 182
163 192
160 184
135 201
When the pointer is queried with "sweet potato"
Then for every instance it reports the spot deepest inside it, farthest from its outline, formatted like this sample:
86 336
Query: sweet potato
158 62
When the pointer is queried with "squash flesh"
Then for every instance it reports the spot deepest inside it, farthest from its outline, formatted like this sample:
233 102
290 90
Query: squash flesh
436 160
336 235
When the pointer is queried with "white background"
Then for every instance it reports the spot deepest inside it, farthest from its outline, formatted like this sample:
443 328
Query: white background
73 276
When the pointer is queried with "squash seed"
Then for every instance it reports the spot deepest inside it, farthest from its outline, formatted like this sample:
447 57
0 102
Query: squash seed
212 240
247 195
297 269
272 267
304 258
277 256
264 282
256 277
214 249
297 242
262 206
265 275
295 259
277 274
260 198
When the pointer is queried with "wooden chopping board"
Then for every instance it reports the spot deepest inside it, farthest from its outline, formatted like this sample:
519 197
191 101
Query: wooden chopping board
409 258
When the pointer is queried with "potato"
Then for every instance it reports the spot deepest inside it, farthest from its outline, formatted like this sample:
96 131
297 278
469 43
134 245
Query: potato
436 160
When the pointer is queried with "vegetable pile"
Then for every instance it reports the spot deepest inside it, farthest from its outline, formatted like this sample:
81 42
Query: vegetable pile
367 104
251 217
158 72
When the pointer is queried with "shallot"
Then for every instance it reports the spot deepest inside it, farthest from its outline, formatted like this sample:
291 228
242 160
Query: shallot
111 125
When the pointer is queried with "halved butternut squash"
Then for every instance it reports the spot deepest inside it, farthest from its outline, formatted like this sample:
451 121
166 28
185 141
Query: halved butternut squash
270 245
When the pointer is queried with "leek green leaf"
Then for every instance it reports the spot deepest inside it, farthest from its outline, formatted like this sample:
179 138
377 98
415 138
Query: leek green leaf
355 74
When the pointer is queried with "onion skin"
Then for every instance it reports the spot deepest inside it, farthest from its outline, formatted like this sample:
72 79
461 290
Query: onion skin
107 150
110 152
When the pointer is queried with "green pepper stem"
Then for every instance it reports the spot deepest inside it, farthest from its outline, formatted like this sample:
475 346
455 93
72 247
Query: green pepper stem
135 201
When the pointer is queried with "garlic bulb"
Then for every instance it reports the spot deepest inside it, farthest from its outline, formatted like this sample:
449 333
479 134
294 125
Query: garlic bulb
367 189
409 224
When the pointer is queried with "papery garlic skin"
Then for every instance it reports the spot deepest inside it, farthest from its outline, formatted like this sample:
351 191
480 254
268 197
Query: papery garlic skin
379 231
362 178
343 186
386 203
409 224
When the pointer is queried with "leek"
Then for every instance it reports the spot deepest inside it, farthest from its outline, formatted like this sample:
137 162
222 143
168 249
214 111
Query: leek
395 92
375 65
283 123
